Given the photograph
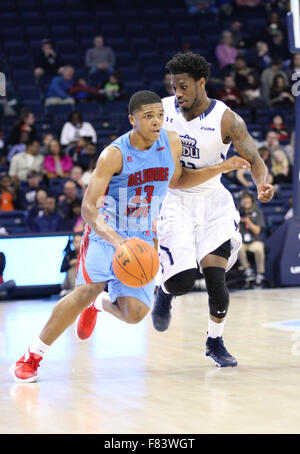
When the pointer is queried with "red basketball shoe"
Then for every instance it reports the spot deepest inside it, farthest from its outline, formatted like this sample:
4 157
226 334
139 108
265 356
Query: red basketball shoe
25 369
86 322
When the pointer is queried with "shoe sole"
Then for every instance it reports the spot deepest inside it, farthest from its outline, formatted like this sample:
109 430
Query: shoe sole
20 380
216 363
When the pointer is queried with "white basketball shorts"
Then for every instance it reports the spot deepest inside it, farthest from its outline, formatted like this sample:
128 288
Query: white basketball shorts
191 226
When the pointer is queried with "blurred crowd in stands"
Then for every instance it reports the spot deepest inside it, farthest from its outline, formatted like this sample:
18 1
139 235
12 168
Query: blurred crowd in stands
47 174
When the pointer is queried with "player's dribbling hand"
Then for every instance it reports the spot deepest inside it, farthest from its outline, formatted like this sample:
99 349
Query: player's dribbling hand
234 163
265 192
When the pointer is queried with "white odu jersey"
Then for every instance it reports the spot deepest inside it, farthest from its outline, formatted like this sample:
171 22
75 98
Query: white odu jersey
194 222
202 144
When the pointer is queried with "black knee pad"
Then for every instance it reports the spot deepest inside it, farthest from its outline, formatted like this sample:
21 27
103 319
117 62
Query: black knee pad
218 296
181 283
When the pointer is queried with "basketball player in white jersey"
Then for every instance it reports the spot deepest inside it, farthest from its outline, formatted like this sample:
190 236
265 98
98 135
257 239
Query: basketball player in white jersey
198 227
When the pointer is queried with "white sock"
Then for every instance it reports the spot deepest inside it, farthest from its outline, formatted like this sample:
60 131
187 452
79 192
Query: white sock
100 298
215 329
38 347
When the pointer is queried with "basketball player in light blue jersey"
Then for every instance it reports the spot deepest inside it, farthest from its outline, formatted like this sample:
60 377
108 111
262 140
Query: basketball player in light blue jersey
132 174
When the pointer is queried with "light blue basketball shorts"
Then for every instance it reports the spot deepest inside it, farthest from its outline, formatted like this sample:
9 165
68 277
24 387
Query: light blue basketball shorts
95 265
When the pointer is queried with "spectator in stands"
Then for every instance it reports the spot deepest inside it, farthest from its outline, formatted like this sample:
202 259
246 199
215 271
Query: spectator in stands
69 195
26 123
86 152
22 163
252 94
12 150
166 88
75 128
272 27
100 60
7 194
58 89
290 149
82 92
229 94
37 209
261 58
237 34
112 88
225 52
50 221
46 140
272 141
27 194
280 95
251 228
200 6
293 67
48 62
281 169
277 124
248 3
268 75
76 176
69 265
56 163
265 154
279 47
11 104
244 178
88 173
73 220
240 72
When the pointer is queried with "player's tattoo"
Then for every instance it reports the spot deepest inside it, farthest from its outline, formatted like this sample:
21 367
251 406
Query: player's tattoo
241 139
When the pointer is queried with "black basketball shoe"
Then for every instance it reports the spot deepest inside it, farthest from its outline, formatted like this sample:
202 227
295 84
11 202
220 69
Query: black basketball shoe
161 313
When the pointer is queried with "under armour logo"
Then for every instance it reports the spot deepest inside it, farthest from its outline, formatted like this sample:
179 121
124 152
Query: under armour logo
169 119
129 158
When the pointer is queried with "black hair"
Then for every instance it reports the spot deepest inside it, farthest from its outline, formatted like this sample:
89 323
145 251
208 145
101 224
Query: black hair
77 113
141 98
245 194
192 64
31 142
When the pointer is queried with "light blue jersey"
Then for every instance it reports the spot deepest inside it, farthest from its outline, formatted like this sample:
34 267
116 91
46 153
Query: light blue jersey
133 199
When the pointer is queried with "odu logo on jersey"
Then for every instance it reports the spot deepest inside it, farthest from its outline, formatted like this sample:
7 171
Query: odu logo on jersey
189 147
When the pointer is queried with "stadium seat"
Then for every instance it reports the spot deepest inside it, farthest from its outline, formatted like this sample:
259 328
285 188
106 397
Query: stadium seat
273 222
14 221
142 45
56 185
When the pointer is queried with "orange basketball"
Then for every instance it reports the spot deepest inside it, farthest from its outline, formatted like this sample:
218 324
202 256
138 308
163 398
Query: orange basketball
135 263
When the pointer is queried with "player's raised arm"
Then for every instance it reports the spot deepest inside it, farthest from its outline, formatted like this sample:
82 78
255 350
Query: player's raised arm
109 163
186 178
234 129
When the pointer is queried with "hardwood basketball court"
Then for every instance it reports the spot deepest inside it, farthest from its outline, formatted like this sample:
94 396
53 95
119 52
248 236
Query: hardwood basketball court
130 379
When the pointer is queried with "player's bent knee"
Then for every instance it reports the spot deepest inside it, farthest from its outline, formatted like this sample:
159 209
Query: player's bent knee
218 296
132 310
181 283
